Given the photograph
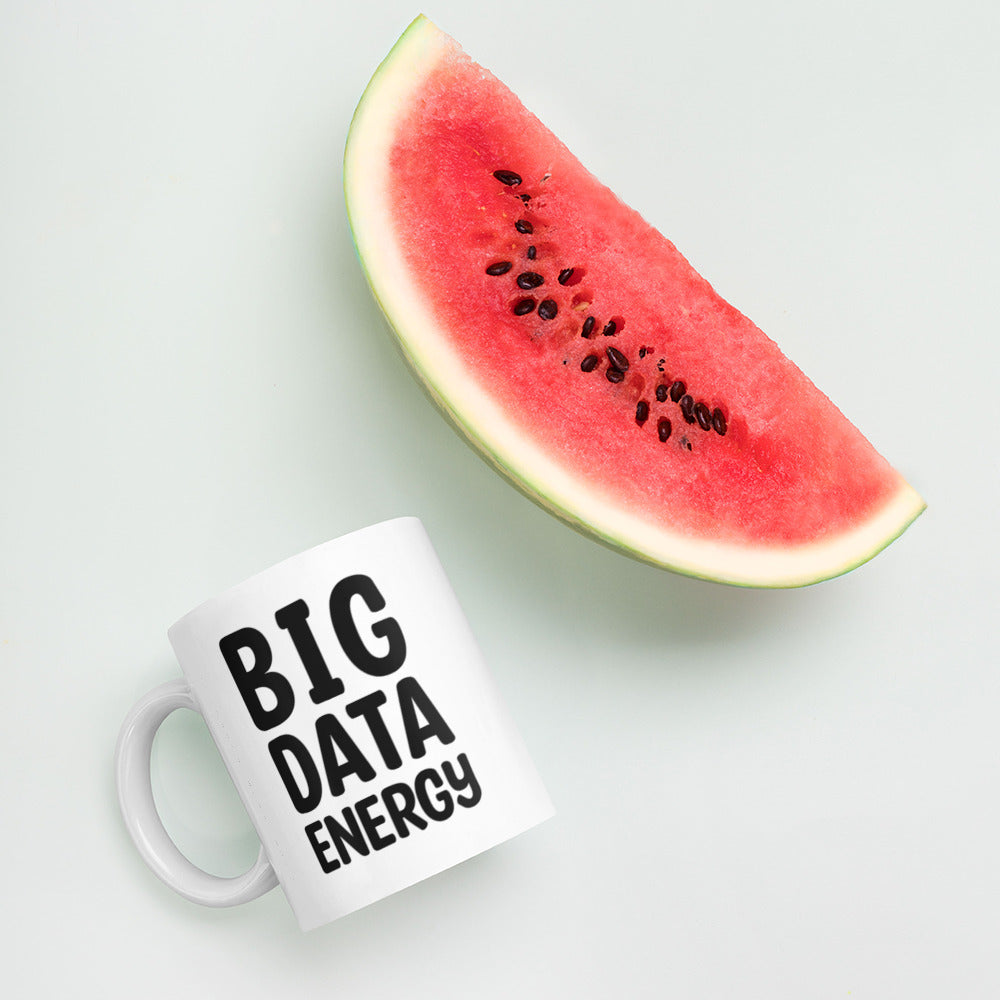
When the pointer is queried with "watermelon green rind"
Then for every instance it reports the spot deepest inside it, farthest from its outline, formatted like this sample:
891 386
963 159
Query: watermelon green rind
479 417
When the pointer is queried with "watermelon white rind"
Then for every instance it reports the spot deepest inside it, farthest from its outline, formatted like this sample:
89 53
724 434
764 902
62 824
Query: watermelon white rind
447 377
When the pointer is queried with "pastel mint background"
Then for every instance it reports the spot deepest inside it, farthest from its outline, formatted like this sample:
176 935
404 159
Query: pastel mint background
760 795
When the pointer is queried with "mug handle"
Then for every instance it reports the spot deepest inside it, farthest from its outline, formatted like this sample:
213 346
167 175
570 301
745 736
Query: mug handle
135 796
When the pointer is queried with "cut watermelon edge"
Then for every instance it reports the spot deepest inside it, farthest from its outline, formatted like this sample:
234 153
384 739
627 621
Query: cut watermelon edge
445 378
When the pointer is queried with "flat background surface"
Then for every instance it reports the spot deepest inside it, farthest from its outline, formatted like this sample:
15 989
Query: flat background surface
788 794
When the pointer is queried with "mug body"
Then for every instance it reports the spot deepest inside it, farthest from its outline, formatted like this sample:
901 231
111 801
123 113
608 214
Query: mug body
357 719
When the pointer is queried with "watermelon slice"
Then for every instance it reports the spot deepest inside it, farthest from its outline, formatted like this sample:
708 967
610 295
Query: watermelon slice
582 355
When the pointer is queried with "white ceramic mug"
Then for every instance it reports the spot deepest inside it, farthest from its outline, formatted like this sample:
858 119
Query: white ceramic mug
357 719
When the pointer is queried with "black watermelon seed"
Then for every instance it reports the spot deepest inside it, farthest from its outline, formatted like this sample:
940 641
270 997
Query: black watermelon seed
524 306
565 274
642 352
531 253
617 359
687 407
507 177
589 363
500 267
609 330
685 443
677 389
719 421
588 327
547 308
523 226
704 416
615 375
663 428
525 198
529 279
641 412
661 393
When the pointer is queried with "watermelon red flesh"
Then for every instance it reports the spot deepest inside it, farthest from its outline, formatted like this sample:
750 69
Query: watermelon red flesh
791 492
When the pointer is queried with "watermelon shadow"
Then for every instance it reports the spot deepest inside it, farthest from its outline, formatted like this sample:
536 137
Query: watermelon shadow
554 574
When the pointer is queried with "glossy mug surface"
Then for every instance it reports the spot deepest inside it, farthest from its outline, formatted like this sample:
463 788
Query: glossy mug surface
357 719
